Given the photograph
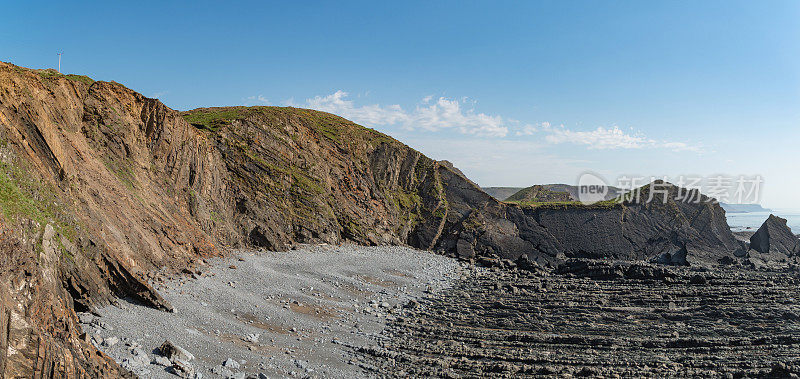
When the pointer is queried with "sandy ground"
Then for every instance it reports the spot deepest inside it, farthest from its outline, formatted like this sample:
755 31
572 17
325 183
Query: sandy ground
299 313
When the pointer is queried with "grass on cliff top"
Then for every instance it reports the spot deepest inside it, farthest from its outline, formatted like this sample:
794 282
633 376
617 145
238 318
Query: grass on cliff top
214 118
330 126
51 74
539 194
607 204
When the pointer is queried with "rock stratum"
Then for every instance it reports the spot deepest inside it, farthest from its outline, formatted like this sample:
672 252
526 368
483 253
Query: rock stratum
103 190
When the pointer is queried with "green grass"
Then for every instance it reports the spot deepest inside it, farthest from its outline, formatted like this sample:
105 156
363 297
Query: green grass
539 194
80 78
214 118
51 74
23 197
332 127
123 171
607 204
14 202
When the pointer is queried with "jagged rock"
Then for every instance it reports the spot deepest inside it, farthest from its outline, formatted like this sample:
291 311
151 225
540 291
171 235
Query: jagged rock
478 328
775 240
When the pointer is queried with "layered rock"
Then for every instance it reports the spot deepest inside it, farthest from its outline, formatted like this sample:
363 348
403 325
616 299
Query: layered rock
774 241
662 224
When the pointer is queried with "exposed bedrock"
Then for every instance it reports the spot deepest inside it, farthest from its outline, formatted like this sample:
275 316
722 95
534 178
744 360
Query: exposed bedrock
663 231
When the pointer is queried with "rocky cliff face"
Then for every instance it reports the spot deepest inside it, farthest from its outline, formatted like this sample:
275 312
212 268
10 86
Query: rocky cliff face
102 189
658 228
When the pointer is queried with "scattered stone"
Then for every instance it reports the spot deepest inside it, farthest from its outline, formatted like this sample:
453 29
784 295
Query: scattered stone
252 337
110 341
231 364
140 358
174 352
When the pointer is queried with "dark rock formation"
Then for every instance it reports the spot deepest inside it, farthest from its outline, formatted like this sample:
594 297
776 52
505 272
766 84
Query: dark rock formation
774 241
661 229
599 319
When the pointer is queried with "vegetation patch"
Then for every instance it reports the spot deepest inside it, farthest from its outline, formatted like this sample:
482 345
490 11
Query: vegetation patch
607 204
51 74
212 119
24 197
538 193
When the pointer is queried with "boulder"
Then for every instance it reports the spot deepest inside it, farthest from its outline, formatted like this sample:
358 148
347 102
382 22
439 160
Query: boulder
174 352
775 239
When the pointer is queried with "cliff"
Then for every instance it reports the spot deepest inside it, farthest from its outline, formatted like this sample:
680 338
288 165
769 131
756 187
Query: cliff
655 228
103 190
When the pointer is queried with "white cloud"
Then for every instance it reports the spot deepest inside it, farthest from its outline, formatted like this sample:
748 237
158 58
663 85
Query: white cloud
610 138
529 129
432 115
253 100
600 138
445 113
501 162
369 114
436 114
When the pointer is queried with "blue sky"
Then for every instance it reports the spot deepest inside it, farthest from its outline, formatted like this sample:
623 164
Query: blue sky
514 93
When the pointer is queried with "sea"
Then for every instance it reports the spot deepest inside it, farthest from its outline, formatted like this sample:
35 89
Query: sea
751 221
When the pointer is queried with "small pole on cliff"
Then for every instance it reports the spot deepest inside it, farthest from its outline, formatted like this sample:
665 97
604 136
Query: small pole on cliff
59 61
